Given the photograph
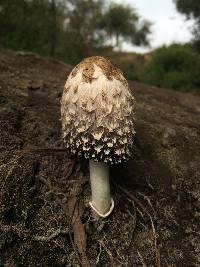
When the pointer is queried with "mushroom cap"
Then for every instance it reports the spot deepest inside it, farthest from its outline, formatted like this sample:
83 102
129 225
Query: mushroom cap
97 112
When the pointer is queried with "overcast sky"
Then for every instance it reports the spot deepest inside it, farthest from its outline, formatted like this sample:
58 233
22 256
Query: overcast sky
168 25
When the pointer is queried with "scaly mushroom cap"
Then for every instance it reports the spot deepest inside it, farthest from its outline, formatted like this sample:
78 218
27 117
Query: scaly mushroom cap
97 112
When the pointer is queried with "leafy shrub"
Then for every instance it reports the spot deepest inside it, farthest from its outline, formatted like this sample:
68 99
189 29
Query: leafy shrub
176 67
130 63
131 70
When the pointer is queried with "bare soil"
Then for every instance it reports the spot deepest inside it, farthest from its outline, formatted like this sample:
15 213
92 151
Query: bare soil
45 219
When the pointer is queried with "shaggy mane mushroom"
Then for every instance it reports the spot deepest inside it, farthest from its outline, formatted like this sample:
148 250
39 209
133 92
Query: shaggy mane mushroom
97 123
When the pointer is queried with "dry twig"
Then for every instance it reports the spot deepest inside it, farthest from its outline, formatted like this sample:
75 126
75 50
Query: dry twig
108 252
75 211
141 258
51 236
131 196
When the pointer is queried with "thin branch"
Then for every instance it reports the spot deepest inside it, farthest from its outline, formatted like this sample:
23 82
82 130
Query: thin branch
131 196
141 258
51 236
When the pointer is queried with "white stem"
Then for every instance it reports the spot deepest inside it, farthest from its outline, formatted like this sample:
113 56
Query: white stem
99 177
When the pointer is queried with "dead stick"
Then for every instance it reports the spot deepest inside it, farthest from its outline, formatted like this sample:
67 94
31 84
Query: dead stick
131 196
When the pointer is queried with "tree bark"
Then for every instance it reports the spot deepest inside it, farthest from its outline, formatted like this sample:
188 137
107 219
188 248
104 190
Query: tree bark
53 28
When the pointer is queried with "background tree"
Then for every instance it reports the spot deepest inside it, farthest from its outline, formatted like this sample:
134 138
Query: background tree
175 66
68 29
33 25
82 22
123 23
191 9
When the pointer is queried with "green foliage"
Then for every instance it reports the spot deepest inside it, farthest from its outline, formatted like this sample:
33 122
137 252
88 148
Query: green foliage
191 8
175 67
131 69
69 30
73 48
83 22
31 25
123 23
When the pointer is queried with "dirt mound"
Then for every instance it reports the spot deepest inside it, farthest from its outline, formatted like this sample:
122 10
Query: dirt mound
44 215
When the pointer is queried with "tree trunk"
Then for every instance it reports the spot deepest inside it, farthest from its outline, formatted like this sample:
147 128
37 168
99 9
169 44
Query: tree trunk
117 39
53 28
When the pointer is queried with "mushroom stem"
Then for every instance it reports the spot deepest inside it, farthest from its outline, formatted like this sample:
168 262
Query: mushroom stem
101 201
